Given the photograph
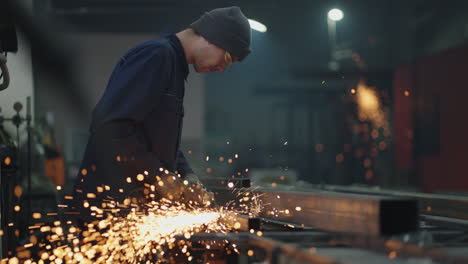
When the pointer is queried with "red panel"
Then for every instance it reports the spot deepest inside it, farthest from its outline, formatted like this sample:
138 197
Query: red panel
403 117
429 169
442 76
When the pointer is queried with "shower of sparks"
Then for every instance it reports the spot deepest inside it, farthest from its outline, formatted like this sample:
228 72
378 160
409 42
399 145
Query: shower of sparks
369 106
146 235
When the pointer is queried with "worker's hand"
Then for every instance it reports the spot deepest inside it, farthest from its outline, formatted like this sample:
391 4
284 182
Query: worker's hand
188 190
196 193
170 186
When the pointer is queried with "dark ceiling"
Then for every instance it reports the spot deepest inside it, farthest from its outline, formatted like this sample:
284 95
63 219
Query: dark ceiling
384 32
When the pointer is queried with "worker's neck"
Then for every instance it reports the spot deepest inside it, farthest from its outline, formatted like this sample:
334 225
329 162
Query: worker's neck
186 37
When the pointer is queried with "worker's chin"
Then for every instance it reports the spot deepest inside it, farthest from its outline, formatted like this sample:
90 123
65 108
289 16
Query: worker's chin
199 69
202 69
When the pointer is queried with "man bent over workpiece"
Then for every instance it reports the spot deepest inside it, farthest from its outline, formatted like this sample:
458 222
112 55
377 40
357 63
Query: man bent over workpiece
136 126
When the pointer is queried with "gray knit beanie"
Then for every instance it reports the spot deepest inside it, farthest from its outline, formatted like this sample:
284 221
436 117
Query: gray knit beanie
227 28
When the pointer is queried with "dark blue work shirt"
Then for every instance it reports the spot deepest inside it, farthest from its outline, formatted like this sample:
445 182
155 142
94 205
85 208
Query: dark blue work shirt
137 124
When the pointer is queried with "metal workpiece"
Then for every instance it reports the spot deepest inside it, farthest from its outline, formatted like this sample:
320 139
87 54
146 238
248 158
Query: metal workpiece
445 205
332 211
241 223
348 213
348 228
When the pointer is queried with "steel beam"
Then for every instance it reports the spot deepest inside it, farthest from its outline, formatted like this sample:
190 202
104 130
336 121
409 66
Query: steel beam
348 213
445 205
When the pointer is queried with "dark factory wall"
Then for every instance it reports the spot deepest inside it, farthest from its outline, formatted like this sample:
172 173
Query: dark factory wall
430 127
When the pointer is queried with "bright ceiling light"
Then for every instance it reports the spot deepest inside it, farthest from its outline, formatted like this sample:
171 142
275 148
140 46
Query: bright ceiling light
257 26
335 14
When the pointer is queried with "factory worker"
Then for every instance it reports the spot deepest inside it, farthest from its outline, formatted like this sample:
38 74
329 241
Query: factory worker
136 126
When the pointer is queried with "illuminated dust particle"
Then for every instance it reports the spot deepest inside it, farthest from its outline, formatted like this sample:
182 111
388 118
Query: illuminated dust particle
18 191
45 229
13 260
298 208
319 147
367 163
339 158
44 256
382 145
236 156
140 177
250 253
36 215
17 208
252 231
59 231
230 185
129 180
207 158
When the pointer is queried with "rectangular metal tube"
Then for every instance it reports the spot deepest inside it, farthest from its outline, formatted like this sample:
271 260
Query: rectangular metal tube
349 213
